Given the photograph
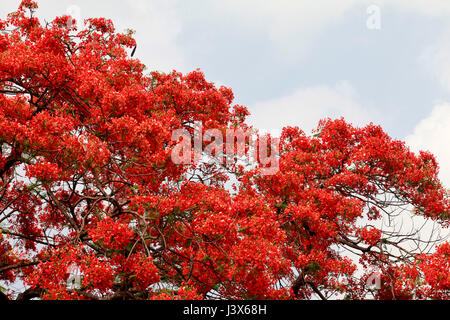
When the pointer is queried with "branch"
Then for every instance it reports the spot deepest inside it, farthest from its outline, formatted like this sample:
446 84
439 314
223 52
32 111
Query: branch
317 291
20 265
30 294
299 282
3 297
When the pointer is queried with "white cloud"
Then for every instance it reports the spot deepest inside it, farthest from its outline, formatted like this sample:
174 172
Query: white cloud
433 8
294 26
306 106
435 59
157 28
291 26
433 134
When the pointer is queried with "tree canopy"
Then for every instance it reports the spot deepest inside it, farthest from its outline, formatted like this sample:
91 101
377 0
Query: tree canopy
87 183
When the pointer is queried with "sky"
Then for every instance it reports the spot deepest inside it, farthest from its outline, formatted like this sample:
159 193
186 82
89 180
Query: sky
295 62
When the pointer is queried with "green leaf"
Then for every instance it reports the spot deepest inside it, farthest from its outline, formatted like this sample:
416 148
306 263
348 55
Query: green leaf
312 267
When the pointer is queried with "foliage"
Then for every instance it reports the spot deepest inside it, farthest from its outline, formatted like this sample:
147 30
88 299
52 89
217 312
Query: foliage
87 181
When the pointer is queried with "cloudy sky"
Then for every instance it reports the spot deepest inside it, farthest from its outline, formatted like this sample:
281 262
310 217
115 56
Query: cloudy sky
294 62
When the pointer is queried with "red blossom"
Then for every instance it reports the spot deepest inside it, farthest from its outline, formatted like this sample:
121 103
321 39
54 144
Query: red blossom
86 180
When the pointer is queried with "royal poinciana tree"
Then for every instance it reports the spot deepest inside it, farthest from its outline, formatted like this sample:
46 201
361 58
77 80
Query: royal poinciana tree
88 184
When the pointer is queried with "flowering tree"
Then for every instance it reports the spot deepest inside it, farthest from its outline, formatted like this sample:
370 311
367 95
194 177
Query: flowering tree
87 183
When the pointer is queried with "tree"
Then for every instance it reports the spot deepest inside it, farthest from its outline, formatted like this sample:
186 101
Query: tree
87 184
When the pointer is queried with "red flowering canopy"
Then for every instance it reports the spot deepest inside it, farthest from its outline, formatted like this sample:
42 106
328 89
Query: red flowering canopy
88 187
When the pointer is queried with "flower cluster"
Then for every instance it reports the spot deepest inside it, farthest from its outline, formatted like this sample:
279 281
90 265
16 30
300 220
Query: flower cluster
94 136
